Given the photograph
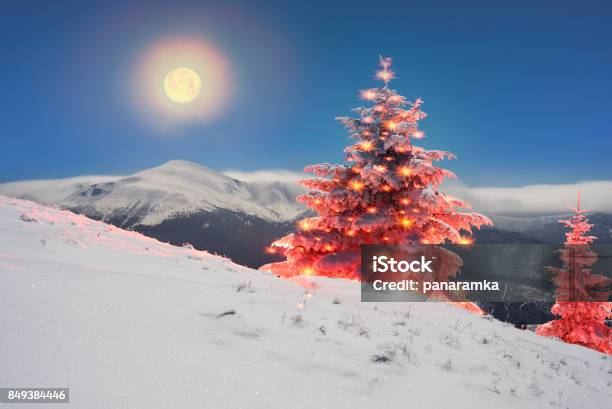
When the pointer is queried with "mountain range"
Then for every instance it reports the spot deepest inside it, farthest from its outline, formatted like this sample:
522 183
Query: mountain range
182 202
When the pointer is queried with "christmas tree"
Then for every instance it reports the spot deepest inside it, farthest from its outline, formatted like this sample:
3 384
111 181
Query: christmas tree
388 193
580 323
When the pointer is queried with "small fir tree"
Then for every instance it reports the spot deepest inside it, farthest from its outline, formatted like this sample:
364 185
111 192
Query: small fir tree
580 322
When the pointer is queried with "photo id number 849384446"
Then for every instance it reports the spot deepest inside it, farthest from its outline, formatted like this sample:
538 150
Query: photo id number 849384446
34 395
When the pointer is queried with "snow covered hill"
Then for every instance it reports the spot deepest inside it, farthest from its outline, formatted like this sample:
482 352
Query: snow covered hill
126 321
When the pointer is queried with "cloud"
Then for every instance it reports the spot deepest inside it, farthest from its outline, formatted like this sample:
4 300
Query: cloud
266 175
534 199
527 200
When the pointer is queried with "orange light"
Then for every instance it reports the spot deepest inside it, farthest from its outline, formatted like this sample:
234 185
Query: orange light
308 271
391 125
405 201
386 188
379 108
350 233
395 98
388 158
318 239
371 209
463 240
329 247
386 238
305 225
356 169
418 134
317 201
404 171
270 250
368 119
406 222
356 185
367 146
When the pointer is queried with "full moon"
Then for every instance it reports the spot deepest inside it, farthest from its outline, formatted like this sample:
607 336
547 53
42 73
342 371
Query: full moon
182 85
178 81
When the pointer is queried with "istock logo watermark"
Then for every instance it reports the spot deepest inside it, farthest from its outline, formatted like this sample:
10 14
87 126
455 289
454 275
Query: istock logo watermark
382 264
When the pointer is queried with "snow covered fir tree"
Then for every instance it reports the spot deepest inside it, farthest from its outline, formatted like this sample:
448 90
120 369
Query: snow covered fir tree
388 193
579 322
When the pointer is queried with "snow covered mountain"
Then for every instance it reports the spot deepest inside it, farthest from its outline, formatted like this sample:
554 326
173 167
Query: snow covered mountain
176 188
179 202
125 321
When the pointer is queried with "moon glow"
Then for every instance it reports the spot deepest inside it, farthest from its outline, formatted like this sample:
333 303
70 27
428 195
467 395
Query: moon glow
179 81
182 85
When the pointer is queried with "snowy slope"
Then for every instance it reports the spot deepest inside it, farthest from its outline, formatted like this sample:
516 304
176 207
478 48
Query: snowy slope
176 188
125 321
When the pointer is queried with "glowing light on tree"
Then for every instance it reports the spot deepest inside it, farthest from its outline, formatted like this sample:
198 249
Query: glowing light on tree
367 201
367 146
305 224
356 185
369 94
404 171
391 125
465 241
406 222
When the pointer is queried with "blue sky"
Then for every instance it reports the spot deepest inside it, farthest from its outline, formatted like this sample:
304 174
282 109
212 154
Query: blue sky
520 91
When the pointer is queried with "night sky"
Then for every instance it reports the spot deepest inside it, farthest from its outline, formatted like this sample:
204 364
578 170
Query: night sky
520 91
